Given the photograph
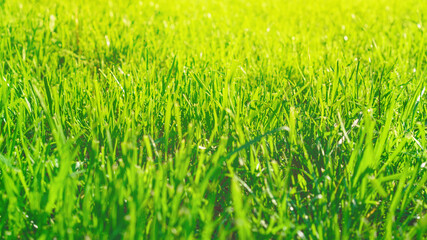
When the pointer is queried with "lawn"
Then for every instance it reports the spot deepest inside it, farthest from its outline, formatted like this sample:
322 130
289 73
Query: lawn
206 119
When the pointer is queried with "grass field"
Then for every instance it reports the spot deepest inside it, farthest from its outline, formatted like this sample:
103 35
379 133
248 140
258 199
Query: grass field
213 119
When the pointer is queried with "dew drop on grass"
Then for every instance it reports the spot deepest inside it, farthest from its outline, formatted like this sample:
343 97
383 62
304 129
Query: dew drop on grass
354 124
421 94
34 225
126 22
262 222
52 20
107 41
6 81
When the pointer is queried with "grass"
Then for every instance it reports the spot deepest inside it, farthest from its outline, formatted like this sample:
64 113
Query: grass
213 119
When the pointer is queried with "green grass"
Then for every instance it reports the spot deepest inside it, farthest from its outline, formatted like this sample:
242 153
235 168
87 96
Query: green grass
213 119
